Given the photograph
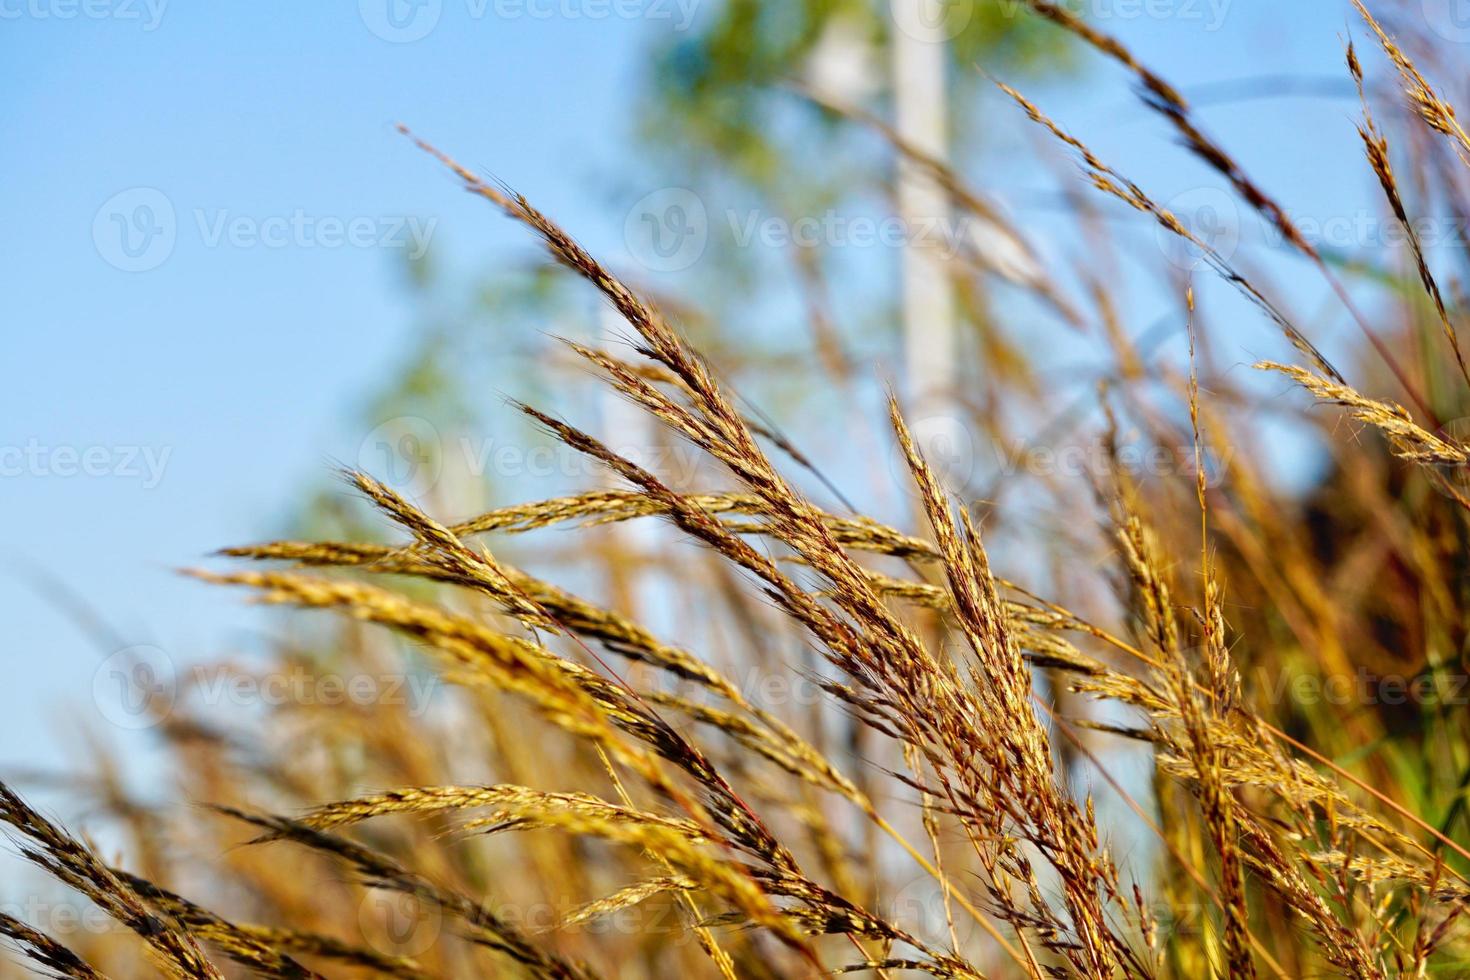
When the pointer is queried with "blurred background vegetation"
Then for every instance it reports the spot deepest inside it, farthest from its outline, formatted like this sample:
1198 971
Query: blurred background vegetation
1066 322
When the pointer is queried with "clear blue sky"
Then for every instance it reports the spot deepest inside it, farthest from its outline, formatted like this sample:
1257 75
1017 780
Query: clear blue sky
241 361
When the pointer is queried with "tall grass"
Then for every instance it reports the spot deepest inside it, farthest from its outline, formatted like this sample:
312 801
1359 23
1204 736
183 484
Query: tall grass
595 800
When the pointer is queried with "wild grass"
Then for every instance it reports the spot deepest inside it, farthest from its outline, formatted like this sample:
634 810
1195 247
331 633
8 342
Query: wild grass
595 800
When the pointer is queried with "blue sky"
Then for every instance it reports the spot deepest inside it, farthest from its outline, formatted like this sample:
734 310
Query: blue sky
232 360
236 361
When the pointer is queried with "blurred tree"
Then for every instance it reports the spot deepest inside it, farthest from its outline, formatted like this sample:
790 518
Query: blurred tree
716 93
724 99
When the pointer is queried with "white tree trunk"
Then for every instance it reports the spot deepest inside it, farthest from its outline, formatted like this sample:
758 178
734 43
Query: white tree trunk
920 104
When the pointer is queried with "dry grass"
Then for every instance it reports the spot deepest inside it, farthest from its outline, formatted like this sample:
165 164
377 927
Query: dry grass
669 822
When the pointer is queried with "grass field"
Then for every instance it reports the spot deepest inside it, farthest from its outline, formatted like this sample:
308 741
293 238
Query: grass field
1236 742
